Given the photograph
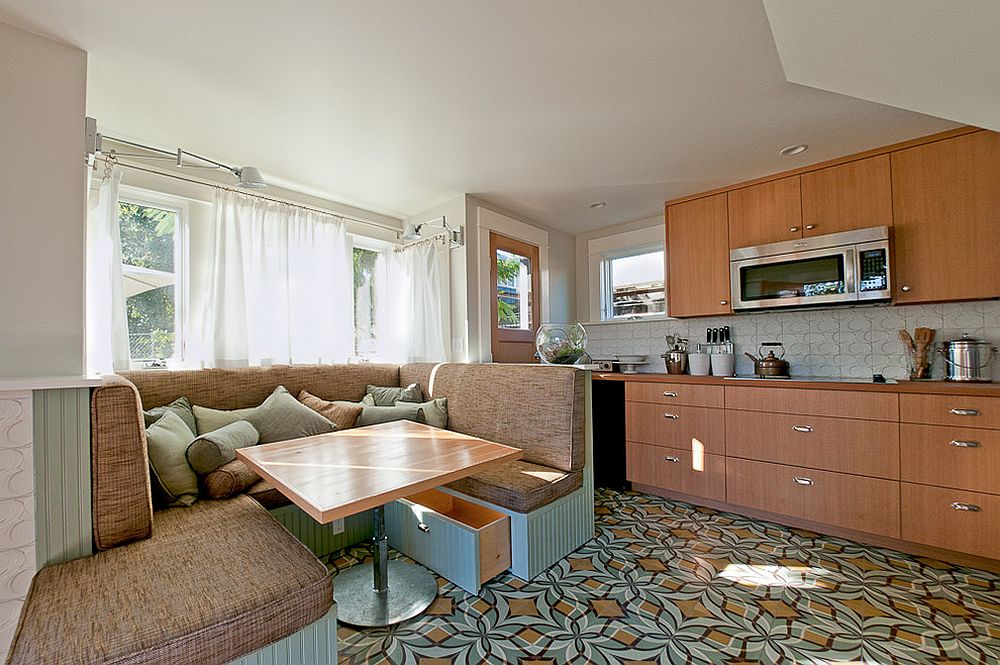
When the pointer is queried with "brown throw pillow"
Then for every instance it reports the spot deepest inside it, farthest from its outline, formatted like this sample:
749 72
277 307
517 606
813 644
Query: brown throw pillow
228 480
341 414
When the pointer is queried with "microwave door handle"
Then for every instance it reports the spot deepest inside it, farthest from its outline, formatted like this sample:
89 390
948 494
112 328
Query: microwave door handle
851 272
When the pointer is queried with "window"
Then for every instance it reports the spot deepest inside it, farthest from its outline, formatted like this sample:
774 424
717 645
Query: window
632 284
366 283
150 270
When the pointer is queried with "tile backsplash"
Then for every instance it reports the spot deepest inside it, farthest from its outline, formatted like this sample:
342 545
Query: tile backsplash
849 342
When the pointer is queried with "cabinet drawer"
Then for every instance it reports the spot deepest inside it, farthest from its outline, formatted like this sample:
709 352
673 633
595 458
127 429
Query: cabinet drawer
863 504
863 447
463 542
678 470
958 457
933 516
683 394
676 426
868 405
950 410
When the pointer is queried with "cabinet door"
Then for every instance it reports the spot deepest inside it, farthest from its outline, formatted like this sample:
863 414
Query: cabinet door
768 212
698 257
946 212
855 195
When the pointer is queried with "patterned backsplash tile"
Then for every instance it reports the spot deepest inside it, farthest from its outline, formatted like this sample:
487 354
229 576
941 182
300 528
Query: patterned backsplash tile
849 342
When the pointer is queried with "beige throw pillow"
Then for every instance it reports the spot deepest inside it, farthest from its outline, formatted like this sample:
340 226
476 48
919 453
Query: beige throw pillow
167 441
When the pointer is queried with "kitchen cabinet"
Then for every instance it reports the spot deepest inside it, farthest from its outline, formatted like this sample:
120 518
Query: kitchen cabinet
952 520
946 214
683 427
835 403
698 257
678 470
854 195
959 458
768 212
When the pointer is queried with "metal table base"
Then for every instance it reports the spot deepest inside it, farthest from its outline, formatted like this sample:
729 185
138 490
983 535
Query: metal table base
383 592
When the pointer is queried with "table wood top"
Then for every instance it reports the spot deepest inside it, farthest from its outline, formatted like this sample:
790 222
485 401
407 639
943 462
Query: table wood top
331 476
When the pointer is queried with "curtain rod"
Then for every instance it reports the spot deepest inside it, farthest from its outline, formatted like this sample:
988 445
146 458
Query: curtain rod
441 236
208 183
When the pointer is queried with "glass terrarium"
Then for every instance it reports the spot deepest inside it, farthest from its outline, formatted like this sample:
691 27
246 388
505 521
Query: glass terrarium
561 343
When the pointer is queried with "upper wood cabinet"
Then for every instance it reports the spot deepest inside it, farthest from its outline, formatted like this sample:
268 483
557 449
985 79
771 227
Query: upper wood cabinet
946 213
854 195
764 213
698 257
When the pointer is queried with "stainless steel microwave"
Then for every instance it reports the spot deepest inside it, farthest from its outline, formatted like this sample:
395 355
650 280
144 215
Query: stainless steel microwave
837 268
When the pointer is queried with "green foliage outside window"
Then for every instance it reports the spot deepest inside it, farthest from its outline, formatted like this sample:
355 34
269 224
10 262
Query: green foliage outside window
508 271
147 239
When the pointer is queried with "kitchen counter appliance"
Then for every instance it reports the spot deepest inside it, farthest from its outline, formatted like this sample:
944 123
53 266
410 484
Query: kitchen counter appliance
847 267
968 359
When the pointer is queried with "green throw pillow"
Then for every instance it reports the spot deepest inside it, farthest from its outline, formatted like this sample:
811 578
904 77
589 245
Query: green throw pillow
435 412
181 406
282 417
372 415
167 441
214 449
389 395
209 420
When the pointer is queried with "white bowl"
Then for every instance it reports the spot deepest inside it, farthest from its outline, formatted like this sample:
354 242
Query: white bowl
631 359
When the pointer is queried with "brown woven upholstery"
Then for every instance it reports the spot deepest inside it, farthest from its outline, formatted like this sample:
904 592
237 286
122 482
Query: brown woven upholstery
539 409
122 505
264 493
228 480
421 373
520 486
249 386
217 581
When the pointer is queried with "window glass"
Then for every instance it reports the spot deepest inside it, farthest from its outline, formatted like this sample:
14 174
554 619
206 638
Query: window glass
148 240
514 291
633 285
365 301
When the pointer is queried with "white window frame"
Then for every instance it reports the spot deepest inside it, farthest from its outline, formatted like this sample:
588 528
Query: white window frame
383 248
179 206
607 285
601 251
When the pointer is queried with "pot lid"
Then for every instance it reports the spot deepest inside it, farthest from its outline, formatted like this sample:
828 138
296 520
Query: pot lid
964 341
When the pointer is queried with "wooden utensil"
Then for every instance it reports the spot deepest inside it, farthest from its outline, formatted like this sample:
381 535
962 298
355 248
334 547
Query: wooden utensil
904 335
924 339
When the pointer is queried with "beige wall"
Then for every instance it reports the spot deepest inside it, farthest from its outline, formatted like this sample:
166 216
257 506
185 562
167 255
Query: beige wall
42 205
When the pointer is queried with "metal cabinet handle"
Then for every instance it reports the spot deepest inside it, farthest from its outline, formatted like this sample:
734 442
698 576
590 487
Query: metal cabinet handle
968 507
964 444
669 393
906 288
723 302
671 416
423 527
802 480
671 458
964 412
802 428
810 227
794 229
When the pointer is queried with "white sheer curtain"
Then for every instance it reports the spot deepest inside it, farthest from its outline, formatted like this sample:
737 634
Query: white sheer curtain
107 325
279 287
416 318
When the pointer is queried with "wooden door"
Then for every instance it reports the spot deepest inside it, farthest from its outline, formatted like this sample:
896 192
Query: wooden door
698 257
946 214
855 195
516 298
765 213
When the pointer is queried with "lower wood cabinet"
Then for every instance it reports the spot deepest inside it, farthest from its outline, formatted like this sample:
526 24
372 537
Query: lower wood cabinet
863 447
676 426
870 505
960 411
677 470
961 458
952 519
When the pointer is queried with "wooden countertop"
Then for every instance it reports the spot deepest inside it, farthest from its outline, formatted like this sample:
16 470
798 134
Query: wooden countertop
912 387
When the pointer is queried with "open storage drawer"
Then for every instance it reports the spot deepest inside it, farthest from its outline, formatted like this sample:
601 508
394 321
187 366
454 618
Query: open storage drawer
465 543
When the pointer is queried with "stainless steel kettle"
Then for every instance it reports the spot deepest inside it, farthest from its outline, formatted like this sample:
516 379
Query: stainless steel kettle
967 359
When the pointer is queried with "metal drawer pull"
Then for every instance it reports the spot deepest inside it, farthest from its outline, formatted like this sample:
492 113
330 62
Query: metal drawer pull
810 227
969 507
802 480
964 412
671 458
671 416
964 444
423 527
669 394
802 428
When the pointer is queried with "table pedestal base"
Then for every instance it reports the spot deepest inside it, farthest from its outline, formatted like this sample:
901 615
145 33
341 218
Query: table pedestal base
412 589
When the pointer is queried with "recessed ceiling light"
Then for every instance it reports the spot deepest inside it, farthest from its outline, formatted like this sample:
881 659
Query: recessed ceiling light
598 204
796 149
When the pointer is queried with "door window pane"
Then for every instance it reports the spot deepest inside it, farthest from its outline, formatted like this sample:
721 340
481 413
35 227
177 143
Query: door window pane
636 285
147 239
514 291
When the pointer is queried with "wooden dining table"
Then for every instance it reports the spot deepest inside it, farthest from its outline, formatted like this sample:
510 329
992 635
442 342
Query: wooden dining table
332 476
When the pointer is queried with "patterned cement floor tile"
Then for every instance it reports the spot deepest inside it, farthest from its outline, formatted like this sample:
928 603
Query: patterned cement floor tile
667 582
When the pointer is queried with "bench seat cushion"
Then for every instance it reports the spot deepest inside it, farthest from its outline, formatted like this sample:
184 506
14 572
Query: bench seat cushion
216 581
520 486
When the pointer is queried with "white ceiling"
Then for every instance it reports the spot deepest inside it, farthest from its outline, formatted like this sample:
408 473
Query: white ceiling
941 58
540 107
